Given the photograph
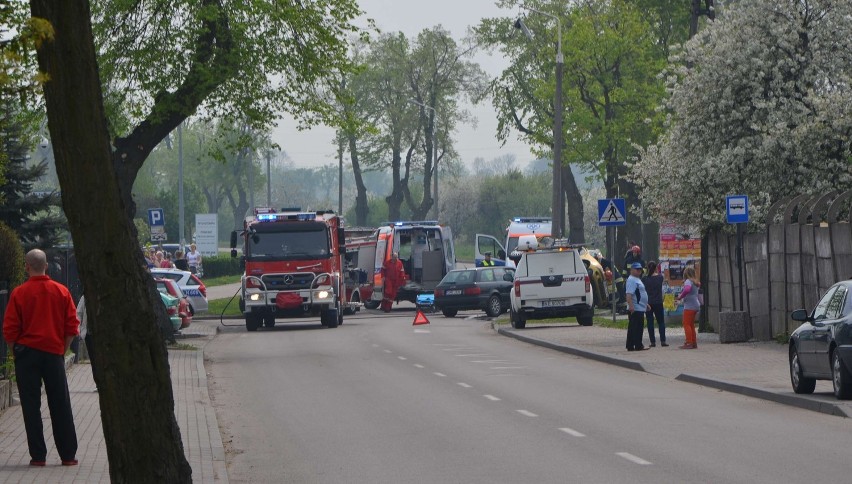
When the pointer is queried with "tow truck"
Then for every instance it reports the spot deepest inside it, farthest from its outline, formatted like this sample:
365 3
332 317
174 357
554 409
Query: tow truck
293 263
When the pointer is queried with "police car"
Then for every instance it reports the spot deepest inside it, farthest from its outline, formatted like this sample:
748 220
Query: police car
191 286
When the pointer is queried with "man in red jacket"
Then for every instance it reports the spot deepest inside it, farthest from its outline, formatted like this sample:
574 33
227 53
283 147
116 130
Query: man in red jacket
39 325
394 275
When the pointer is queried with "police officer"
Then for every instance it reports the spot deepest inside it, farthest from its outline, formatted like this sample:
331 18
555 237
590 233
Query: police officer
487 262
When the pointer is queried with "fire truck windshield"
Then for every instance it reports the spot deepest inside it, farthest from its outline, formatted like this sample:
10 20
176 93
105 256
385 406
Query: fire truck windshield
286 241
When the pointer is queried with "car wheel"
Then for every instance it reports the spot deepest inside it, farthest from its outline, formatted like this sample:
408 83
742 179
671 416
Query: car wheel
801 384
269 321
840 377
494 307
330 318
587 317
517 320
252 322
371 304
449 313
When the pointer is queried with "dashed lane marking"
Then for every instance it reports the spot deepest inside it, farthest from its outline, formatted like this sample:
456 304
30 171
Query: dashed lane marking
527 413
492 398
402 358
572 432
418 365
508 367
490 361
388 351
426 331
470 355
439 374
463 385
633 458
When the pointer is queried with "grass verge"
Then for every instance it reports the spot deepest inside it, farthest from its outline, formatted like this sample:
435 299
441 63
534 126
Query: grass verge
216 306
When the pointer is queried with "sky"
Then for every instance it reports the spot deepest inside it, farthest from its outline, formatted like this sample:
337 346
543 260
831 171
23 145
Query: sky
314 148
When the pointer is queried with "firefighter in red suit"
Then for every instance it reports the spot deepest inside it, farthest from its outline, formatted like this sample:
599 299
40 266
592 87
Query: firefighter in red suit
394 276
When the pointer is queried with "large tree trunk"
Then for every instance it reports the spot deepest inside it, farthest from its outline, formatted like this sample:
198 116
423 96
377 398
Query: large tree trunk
574 200
394 200
131 367
362 209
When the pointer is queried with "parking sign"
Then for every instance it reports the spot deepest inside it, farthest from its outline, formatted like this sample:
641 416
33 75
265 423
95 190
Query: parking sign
156 217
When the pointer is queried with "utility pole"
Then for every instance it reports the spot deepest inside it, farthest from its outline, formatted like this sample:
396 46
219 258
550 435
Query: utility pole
268 179
181 220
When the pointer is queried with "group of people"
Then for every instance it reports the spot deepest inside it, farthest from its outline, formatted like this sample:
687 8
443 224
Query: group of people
162 259
643 292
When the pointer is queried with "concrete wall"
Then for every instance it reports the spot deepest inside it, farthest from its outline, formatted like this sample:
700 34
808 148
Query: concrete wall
802 252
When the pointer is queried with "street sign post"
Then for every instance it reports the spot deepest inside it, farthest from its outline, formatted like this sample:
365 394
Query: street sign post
736 212
612 212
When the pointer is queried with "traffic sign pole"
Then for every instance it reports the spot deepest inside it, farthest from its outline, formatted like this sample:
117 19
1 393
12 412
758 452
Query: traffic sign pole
736 212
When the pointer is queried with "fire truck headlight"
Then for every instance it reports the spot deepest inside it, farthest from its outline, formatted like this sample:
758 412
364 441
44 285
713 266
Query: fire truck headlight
254 297
323 294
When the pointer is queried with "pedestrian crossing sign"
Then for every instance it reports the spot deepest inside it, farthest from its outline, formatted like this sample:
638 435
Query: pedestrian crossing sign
611 211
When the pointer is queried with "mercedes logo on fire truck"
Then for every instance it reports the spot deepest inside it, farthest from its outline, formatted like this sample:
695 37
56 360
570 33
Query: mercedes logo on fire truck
288 279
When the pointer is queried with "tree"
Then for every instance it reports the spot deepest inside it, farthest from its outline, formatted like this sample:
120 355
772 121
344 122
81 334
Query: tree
758 107
35 216
159 74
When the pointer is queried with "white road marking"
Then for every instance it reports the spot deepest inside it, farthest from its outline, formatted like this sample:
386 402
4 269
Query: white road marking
492 398
388 351
633 458
402 358
471 355
375 345
457 349
507 367
422 331
490 361
572 432
439 374
418 365
527 413
463 385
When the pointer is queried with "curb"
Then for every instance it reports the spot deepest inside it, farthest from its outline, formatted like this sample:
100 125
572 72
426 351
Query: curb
790 400
630 365
805 403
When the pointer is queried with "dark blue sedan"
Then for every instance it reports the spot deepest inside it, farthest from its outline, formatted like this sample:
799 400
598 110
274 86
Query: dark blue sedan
821 348
485 288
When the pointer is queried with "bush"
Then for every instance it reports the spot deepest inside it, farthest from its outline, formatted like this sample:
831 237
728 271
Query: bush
221 265
11 257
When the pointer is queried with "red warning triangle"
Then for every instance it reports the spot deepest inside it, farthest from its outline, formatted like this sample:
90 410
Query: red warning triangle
420 318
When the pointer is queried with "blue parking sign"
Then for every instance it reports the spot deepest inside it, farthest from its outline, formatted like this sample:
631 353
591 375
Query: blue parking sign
155 217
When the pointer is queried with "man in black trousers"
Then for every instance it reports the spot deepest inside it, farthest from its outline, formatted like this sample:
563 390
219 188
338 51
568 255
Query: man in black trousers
637 304
39 325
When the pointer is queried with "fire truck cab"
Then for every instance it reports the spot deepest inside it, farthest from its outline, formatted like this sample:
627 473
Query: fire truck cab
293 266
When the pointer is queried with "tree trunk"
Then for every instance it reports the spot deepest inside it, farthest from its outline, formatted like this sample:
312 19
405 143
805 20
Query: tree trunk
131 367
394 200
574 200
362 209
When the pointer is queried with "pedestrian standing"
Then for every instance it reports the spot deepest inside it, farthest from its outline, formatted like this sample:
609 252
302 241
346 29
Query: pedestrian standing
637 303
689 298
394 278
654 286
39 325
180 261
85 332
193 258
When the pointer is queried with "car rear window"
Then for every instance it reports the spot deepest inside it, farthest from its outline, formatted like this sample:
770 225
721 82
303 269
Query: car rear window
459 277
169 275
553 263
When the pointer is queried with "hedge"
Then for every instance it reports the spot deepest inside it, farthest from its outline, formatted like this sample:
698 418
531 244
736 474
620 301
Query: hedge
222 265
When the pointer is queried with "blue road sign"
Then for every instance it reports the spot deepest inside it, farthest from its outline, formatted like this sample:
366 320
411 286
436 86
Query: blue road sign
611 211
155 217
736 209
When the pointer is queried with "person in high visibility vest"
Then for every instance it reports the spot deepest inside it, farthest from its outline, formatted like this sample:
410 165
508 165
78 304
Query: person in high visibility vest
486 262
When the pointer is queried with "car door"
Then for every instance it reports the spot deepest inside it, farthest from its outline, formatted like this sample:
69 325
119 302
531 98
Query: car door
807 346
487 243
823 333
504 287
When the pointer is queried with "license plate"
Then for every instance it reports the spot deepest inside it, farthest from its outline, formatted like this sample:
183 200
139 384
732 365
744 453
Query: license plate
454 292
556 303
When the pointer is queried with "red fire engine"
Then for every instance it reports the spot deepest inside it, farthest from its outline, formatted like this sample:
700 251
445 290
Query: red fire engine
293 267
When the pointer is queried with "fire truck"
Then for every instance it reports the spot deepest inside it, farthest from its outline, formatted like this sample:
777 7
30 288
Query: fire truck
425 248
294 266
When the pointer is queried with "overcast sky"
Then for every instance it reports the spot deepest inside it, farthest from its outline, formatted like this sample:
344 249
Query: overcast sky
315 148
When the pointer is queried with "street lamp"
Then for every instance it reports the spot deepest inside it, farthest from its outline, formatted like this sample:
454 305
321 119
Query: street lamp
434 149
558 206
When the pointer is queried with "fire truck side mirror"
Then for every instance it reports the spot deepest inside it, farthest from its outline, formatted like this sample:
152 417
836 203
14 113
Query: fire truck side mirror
341 236
233 243
243 262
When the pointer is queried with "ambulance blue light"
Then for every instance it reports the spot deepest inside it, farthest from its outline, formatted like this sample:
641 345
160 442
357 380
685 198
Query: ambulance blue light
266 217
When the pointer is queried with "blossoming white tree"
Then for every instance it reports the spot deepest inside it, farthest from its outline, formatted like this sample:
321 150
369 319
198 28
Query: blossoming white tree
759 105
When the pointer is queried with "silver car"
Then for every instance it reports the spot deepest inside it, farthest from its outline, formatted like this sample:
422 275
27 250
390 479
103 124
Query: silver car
191 286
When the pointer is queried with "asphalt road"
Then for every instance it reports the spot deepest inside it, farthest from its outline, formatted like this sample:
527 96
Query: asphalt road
380 401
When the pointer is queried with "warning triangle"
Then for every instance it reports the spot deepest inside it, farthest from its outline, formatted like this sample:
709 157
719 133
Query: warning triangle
420 318
611 213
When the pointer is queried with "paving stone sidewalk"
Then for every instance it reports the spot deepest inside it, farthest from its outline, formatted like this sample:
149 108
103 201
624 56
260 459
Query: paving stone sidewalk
757 369
193 409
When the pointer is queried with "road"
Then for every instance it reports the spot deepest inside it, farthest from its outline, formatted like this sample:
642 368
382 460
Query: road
380 401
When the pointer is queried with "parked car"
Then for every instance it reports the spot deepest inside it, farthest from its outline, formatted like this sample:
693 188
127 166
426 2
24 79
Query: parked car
170 287
821 348
172 304
191 286
485 288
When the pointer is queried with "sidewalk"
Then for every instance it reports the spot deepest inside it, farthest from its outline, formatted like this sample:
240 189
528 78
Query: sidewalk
193 410
756 369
